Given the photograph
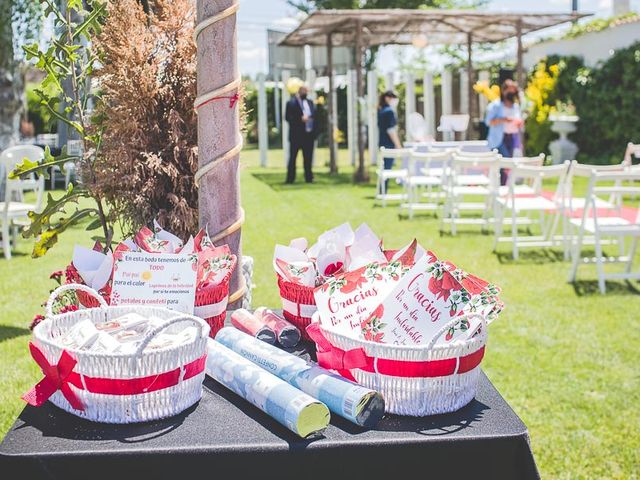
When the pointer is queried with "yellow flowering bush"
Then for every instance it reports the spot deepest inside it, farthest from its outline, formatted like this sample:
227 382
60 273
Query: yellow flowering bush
490 92
540 94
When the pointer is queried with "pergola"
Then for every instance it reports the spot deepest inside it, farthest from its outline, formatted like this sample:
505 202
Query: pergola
361 29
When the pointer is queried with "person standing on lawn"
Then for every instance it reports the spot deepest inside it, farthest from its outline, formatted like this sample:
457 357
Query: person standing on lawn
300 115
388 126
504 119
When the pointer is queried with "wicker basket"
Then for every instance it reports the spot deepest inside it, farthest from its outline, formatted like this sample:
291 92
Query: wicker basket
298 304
414 380
120 388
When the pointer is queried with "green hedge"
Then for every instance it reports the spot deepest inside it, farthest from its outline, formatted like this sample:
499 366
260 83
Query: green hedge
607 100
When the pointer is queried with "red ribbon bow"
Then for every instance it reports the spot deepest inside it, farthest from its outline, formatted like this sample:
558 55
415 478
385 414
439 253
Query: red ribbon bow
335 358
56 377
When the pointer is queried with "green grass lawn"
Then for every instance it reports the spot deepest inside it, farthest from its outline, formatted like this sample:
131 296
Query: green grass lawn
563 356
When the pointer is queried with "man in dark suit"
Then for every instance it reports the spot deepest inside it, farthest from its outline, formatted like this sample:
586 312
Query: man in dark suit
300 115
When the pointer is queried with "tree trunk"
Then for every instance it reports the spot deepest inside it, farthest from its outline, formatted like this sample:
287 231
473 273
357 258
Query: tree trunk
10 82
218 130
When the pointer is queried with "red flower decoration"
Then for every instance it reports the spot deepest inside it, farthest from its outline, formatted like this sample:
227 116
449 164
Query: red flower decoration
333 268
69 308
378 312
354 280
36 320
57 275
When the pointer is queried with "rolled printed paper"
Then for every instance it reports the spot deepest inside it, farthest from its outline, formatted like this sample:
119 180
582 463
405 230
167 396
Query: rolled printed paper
360 405
248 323
287 334
294 409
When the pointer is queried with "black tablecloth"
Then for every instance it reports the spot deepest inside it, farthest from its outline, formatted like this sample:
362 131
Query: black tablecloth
224 436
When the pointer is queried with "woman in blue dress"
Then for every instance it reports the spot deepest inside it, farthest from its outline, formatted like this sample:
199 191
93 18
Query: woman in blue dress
388 125
504 119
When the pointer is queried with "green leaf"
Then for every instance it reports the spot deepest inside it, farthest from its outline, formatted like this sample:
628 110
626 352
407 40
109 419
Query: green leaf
28 167
41 221
49 238
44 243
97 223
92 21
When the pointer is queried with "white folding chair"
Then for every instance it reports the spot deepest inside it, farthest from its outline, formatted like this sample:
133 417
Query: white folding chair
468 176
527 187
524 187
392 174
574 206
13 210
600 227
424 176
633 149
529 204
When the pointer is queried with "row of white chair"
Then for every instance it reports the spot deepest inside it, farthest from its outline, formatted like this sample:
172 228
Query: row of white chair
446 180
13 209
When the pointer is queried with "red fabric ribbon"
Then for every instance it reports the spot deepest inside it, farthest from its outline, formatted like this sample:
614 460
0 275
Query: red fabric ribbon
233 99
333 358
135 386
56 377
61 376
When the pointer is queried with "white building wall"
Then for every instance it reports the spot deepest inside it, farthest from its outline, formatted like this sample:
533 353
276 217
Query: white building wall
592 47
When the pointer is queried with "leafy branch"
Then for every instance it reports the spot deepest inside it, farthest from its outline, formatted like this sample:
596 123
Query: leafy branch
68 60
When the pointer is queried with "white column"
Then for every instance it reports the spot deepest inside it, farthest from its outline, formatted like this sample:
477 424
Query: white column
429 100
389 81
310 80
372 115
351 116
483 76
276 99
285 124
263 134
334 101
447 99
409 101
464 97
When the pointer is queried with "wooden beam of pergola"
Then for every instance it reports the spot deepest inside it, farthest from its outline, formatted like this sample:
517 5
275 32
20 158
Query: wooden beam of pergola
444 27
359 29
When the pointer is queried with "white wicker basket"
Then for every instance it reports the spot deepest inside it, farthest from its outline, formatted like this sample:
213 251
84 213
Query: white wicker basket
139 370
430 394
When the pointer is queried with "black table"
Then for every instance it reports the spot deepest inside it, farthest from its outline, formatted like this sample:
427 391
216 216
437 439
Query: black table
224 436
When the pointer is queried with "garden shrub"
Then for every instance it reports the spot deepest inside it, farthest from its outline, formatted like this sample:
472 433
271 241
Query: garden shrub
605 98
148 156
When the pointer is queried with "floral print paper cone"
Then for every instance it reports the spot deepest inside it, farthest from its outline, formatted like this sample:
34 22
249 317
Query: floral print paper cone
425 299
347 300
294 266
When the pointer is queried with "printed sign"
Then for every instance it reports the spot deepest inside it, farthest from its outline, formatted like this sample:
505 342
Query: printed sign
157 280
426 299
347 300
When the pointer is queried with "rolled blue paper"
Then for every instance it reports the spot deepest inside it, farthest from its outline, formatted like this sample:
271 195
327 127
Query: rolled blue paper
360 405
299 412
